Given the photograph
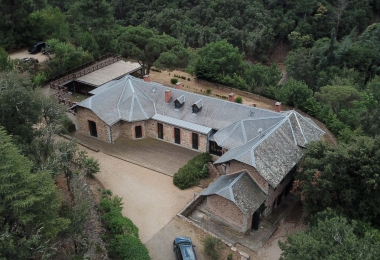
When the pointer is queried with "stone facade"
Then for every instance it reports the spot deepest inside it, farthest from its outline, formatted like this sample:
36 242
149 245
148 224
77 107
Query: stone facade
168 135
225 211
127 129
85 115
236 166
274 193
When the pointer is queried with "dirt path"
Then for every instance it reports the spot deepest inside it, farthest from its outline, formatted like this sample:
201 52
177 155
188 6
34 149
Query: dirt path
150 198
193 86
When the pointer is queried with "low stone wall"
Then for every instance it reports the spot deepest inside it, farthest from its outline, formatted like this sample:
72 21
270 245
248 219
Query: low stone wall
189 208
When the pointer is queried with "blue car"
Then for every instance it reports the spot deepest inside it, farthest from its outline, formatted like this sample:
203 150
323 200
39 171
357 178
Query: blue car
184 249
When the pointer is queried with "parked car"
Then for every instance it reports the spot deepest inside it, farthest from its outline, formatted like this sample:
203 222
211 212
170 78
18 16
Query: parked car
184 249
36 47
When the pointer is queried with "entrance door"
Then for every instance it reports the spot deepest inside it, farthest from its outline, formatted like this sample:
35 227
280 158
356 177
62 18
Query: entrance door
177 135
138 131
255 220
160 130
92 126
195 141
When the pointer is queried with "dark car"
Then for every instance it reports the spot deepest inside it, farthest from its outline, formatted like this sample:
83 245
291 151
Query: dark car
184 249
36 47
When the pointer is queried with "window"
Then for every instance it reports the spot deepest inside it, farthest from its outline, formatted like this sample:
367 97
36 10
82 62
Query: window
160 131
215 149
92 126
195 139
177 135
195 109
138 131
177 104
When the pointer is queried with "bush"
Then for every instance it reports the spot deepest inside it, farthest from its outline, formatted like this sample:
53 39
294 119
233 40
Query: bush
239 100
39 79
128 247
211 247
174 81
191 173
124 237
208 91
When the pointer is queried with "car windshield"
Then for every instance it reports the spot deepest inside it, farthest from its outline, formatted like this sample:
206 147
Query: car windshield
187 252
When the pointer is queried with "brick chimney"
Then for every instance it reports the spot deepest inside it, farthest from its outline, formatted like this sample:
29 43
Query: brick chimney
231 97
146 78
277 107
178 85
168 95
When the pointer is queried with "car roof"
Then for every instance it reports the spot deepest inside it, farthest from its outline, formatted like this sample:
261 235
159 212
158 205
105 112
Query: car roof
179 240
187 252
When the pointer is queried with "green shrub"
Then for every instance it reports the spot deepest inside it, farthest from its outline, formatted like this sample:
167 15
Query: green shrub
239 100
39 79
191 173
67 124
208 91
211 247
128 247
174 80
124 237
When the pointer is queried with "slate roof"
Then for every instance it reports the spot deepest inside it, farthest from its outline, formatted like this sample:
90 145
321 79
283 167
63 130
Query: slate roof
274 151
239 188
183 124
120 100
215 113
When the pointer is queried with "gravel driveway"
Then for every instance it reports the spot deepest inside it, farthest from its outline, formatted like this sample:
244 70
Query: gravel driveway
150 198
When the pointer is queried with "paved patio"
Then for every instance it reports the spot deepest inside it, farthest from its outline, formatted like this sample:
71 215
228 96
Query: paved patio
252 240
148 152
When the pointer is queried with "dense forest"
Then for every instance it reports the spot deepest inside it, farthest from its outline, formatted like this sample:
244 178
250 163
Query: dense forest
331 71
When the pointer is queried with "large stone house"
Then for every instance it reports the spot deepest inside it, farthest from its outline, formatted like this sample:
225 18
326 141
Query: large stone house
257 147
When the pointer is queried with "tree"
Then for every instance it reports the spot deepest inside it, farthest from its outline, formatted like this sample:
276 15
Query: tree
29 205
150 49
294 93
47 24
5 61
338 97
332 237
344 178
19 106
217 60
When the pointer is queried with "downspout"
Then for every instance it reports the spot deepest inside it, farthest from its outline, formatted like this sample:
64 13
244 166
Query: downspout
109 130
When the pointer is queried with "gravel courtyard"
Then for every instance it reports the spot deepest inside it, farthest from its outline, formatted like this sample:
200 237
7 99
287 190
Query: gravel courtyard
150 198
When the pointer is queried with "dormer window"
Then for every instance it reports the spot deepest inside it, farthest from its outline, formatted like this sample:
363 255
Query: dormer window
195 109
179 102
197 106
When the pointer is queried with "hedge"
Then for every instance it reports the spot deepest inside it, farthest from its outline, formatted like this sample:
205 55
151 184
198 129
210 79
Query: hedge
191 173
123 235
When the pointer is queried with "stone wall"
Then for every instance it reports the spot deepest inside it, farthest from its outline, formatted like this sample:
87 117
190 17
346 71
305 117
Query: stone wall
227 212
83 116
168 135
236 166
116 131
273 194
128 128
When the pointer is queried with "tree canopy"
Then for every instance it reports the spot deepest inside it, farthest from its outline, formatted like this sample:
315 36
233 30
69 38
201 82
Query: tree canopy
344 178
330 237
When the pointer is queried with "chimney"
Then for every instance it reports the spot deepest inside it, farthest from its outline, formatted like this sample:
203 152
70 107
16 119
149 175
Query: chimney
231 97
168 95
277 107
146 78
178 85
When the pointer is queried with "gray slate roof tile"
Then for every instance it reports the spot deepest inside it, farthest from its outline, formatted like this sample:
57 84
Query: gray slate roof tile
239 188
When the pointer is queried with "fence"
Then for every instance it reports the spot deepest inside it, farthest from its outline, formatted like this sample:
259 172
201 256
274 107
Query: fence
84 69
